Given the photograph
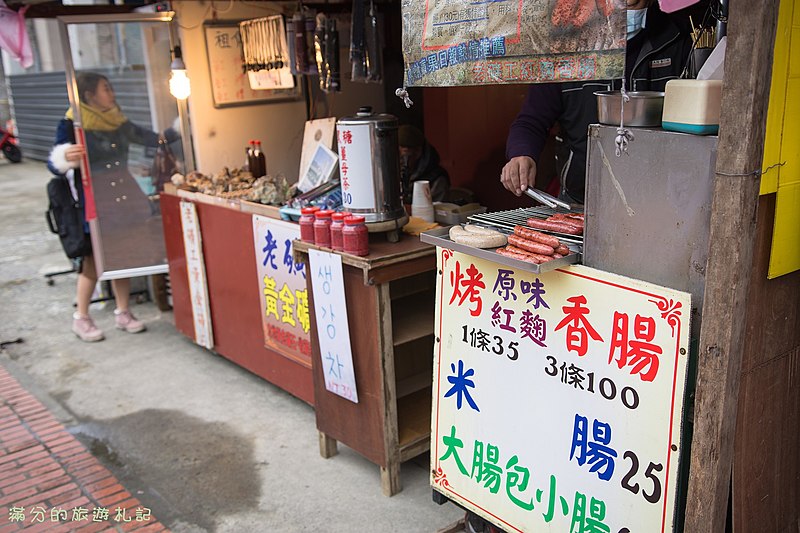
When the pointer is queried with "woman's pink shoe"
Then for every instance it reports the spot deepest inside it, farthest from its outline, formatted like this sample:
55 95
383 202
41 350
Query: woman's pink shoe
125 321
85 329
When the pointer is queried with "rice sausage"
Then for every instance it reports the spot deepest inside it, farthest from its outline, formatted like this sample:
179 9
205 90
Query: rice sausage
530 246
552 225
533 235
477 240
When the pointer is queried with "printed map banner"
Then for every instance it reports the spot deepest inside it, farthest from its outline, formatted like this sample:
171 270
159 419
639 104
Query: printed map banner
461 42
558 397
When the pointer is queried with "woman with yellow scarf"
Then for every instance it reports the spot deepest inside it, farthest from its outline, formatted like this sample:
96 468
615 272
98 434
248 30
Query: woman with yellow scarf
108 136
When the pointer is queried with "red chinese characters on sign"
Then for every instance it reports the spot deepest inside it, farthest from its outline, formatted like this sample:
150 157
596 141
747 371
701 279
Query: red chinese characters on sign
345 138
578 326
289 339
469 286
639 353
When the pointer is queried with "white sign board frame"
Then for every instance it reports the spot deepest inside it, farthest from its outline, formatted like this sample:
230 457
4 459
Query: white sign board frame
558 397
333 330
196 270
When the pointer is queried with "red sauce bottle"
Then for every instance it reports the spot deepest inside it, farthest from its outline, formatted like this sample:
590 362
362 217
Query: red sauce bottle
322 228
307 223
355 236
337 225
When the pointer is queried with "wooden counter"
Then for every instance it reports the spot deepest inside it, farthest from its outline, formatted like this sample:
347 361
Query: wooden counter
231 273
390 309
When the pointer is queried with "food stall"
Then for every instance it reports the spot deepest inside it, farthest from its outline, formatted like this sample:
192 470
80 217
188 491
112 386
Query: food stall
650 308
524 436
593 357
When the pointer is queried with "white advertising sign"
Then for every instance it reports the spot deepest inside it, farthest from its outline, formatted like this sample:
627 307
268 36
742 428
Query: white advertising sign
282 289
558 397
355 166
333 331
196 269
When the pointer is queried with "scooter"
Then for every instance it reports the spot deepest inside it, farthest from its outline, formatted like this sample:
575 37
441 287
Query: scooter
8 144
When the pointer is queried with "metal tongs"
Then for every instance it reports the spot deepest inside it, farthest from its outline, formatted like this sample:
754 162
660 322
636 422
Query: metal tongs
546 199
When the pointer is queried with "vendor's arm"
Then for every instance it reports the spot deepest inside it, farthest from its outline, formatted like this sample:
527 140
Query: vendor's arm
65 154
528 134
139 135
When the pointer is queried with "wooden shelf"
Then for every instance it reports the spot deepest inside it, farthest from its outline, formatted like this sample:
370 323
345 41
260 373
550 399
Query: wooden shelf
412 318
414 423
412 384
413 285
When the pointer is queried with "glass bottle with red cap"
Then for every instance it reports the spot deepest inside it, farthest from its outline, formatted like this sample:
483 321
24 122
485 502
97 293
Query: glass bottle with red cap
307 223
322 228
355 236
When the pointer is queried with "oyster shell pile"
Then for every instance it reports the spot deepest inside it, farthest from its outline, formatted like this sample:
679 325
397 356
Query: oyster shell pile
237 183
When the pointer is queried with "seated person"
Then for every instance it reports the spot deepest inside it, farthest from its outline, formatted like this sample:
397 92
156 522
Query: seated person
420 161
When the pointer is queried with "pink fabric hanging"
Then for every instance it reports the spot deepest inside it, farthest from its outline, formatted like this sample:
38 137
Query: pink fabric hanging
14 34
668 6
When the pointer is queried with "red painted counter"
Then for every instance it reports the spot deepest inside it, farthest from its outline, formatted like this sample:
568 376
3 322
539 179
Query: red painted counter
230 262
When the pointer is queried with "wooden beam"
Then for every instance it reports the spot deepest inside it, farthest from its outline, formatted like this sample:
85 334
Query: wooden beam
748 69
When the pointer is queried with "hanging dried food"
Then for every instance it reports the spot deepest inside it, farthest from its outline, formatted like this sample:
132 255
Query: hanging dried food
365 43
263 43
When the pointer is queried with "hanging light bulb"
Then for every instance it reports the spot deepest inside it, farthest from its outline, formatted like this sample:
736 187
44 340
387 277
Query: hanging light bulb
179 85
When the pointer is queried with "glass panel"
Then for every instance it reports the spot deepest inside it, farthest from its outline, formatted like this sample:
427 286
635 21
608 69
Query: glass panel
122 74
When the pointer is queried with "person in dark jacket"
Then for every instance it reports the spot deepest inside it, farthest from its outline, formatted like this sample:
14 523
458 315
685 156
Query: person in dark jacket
419 160
108 135
657 50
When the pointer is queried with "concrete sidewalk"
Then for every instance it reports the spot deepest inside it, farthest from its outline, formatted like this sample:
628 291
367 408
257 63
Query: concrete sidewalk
202 443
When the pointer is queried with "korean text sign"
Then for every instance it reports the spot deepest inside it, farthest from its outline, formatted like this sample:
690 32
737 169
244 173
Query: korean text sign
282 289
558 397
333 330
454 42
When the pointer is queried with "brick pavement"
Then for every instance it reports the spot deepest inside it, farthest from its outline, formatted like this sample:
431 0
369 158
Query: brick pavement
49 481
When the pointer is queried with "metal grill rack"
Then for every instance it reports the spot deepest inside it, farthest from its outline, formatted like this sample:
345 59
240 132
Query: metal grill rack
506 220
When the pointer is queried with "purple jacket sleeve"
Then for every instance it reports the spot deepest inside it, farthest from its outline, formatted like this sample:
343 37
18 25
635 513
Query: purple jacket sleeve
539 113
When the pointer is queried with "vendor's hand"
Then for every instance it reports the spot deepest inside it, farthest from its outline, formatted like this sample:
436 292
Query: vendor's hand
519 174
169 135
74 152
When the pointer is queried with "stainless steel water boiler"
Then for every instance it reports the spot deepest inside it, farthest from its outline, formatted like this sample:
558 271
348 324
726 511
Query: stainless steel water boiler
369 165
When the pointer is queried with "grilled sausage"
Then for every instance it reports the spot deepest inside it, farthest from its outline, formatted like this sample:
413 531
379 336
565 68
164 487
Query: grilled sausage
530 246
562 250
552 225
567 220
533 235
539 257
528 258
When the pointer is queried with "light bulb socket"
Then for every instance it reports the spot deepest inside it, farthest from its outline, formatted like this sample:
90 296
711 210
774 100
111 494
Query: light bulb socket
177 62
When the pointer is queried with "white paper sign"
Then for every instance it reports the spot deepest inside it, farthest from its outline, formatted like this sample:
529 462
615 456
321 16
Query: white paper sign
558 397
355 166
196 269
333 332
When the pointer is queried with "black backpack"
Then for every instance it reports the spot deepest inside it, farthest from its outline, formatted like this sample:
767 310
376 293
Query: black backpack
65 218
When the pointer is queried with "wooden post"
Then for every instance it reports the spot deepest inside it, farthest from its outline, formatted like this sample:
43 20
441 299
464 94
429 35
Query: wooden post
748 69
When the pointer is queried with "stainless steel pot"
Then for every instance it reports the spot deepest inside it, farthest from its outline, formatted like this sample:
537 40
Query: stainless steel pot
644 108
369 165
